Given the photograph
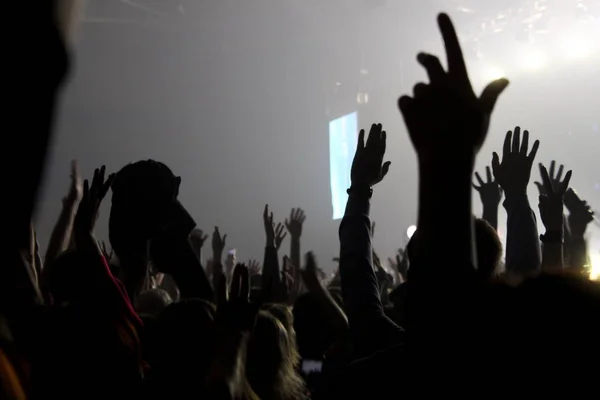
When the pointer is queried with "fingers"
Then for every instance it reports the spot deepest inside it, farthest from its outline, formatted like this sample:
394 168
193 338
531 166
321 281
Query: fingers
420 90
456 61
548 189
525 143
552 168
564 186
540 187
491 93
432 65
496 164
361 141
559 173
374 135
479 180
507 144
385 169
516 144
534 150
266 212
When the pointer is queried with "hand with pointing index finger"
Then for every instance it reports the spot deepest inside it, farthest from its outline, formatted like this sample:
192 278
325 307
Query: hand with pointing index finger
445 119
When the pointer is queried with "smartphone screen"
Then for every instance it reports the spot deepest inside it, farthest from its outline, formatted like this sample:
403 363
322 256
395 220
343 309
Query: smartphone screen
312 366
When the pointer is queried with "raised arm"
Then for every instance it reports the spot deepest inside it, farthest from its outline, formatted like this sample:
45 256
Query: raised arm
491 196
523 256
371 330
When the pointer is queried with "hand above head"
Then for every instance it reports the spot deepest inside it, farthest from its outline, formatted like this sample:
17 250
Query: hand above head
555 177
551 202
253 268
274 234
76 188
87 213
234 310
368 168
580 214
218 245
490 191
279 235
295 222
445 119
198 238
514 172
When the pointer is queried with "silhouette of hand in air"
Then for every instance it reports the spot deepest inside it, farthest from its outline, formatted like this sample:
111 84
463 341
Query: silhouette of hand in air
218 245
234 310
490 191
551 202
514 172
76 189
274 234
295 222
368 168
87 213
445 119
555 177
580 214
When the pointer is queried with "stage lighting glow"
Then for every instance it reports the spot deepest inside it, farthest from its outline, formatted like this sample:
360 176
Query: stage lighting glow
595 266
411 231
533 59
576 47
493 73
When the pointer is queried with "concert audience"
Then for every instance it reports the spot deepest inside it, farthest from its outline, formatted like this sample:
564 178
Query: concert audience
151 321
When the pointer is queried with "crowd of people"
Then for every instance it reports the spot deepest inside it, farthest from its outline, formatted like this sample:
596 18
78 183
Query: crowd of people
142 318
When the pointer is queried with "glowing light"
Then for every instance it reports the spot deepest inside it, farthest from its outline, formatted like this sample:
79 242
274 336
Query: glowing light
411 231
576 47
493 73
534 59
595 266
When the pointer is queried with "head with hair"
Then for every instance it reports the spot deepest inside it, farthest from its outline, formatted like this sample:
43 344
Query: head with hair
489 249
271 364
144 194
152 302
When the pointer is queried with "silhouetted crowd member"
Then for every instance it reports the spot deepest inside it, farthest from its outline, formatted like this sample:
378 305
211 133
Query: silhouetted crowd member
150 321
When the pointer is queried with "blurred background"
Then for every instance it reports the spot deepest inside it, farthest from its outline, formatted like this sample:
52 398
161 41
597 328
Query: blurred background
236 96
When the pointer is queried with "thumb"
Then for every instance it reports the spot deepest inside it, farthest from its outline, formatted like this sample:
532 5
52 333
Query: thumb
490 94
385 168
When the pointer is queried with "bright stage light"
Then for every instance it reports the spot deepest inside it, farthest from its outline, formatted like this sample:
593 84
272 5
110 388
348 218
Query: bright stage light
595 266
411 231
576 47
533 59
493 73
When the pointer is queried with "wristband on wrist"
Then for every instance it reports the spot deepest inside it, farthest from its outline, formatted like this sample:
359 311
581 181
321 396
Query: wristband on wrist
360 189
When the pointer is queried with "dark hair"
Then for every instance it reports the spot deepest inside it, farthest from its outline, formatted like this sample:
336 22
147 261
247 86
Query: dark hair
489 250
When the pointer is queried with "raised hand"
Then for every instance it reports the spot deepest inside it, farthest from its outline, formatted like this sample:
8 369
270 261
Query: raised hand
580 213
234 311
555 177
279 235
514 172
368 168
272 233
218 245
253 268
445 119
76 188
198 238
490 191
295 222
310 274
551 202
87 213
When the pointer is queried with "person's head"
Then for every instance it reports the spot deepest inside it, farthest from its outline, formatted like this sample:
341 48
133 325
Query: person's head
489 250
272 361
185 334
488 245
144 195
312 336
152 302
